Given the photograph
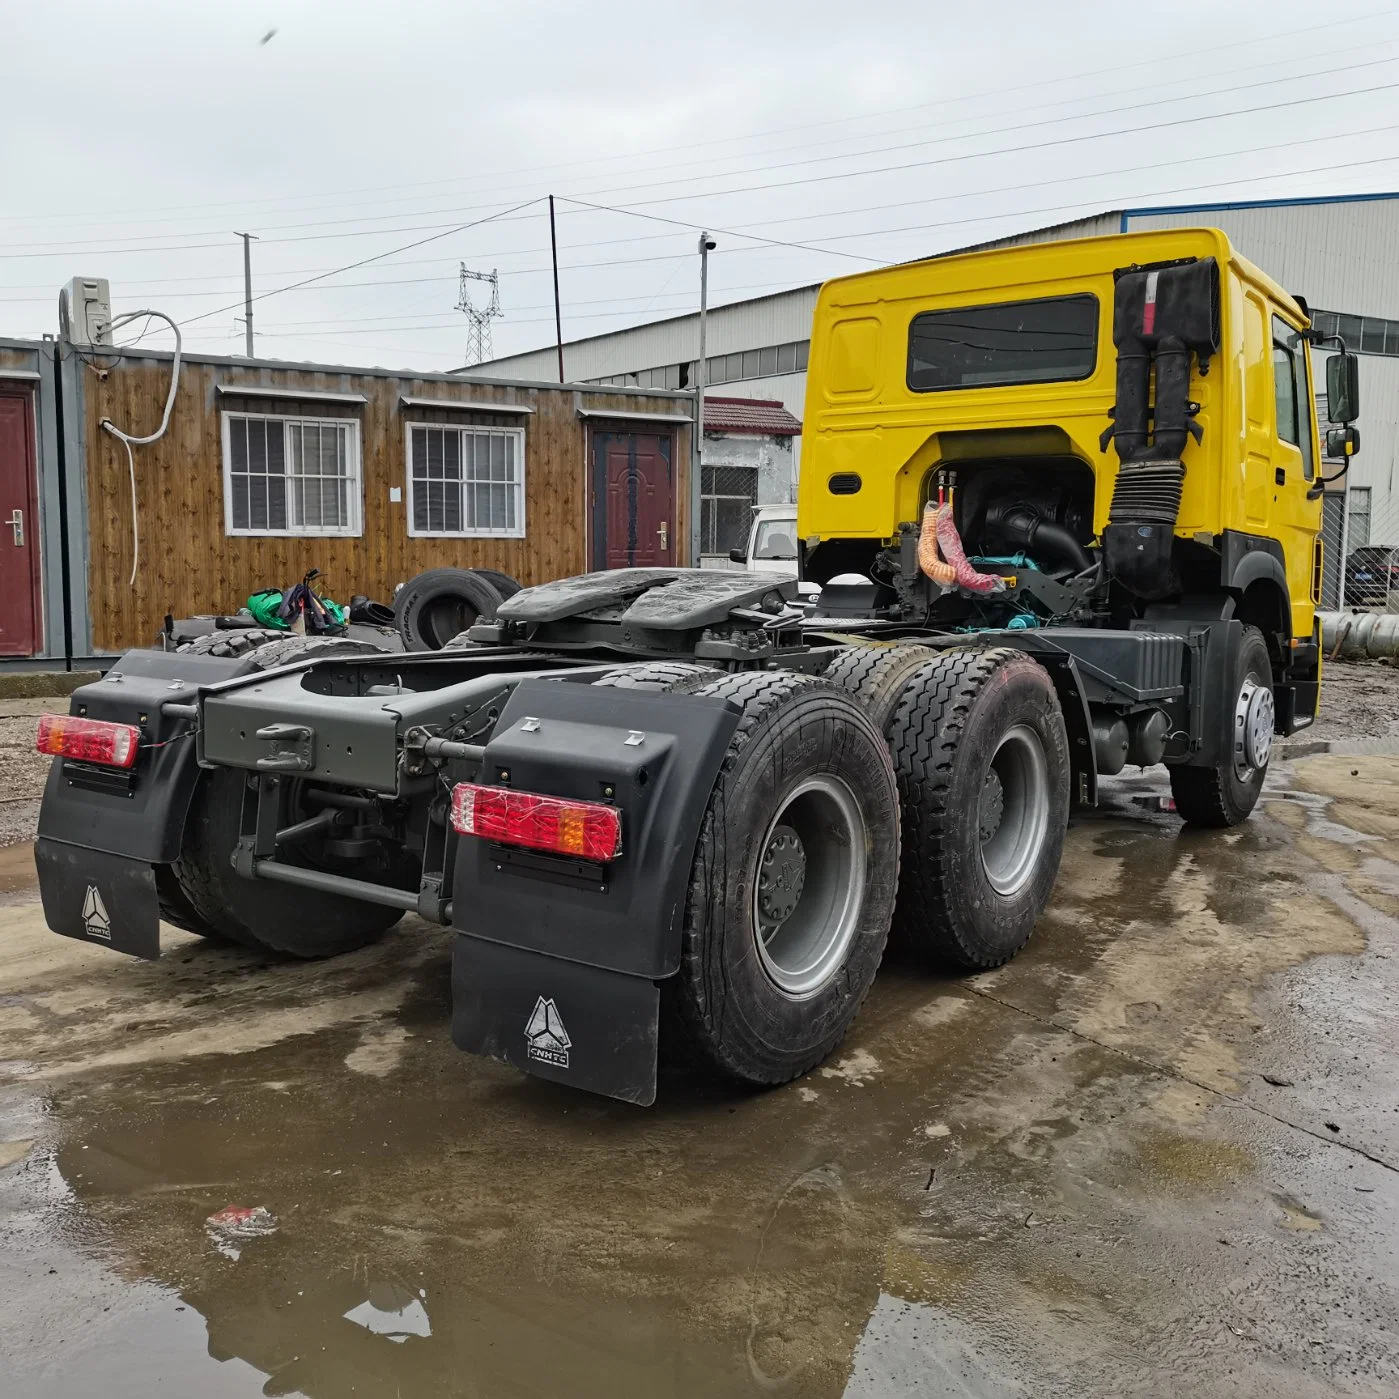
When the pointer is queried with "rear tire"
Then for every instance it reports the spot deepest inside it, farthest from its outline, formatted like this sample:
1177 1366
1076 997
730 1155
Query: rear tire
983 763
792 886
238 641
1225 794
659 675
275 917
877 675
288 649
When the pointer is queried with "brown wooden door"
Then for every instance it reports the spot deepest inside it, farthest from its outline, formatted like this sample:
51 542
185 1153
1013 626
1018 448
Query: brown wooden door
19 527
633 500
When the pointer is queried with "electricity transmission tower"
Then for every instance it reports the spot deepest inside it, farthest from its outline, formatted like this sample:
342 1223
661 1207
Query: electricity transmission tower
479 318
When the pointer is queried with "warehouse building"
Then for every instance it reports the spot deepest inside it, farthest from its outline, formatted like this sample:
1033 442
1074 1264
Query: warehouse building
1338 252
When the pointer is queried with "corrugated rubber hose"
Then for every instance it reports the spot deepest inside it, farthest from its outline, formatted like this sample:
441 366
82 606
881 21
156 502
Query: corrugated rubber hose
940 554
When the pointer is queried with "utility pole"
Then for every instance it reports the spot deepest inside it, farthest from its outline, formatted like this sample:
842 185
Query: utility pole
706 246
247 290
558 315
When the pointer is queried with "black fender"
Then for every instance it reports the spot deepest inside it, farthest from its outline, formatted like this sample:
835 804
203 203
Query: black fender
1246 559
140 816
557 962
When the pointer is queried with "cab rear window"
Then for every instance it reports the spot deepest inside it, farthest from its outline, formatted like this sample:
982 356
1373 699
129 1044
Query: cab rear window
1049 340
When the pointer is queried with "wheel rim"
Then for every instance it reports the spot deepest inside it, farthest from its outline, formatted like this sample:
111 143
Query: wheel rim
1253 727
809 886
1013 813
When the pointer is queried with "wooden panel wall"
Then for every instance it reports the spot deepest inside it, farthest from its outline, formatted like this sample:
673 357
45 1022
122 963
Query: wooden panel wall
189 565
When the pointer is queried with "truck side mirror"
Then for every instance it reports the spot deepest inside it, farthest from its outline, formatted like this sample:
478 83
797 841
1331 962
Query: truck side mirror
741 555
1342 442
1343 388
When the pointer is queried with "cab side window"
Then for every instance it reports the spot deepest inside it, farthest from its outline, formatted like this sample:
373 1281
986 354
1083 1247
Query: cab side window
1292 392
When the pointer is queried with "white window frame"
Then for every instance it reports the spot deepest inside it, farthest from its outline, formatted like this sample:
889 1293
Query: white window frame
353 465
480 430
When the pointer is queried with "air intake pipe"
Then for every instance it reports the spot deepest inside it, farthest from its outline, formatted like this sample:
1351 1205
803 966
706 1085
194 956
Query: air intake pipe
1024 526
1162 314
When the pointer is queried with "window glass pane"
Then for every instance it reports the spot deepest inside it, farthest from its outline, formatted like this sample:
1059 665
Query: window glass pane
1022 342
1372 336
803 350
767 360
1284 392
1285 383
786 358
727 497
1391 337
750 364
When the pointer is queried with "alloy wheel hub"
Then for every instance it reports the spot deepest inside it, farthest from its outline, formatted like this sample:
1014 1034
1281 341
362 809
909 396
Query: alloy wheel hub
1253 727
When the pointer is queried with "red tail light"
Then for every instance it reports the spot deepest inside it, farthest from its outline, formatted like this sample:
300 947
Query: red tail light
87 740
585 830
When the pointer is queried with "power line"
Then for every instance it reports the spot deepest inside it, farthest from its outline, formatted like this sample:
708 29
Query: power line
51 250
349 267
1157 61
148 286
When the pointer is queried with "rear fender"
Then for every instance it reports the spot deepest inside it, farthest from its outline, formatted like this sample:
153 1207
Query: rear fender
538 930
140 816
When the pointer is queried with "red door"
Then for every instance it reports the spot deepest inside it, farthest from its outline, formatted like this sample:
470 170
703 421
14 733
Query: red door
633 500
19 527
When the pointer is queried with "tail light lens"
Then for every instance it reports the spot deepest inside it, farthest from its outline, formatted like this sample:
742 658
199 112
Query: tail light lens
584 830
87 740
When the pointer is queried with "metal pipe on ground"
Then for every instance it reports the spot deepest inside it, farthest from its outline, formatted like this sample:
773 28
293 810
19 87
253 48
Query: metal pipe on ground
1358 636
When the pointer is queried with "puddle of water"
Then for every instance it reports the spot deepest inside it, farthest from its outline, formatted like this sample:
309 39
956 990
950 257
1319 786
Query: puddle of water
995 1196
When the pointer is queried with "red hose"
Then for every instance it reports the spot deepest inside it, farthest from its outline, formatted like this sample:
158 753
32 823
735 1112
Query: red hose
950 544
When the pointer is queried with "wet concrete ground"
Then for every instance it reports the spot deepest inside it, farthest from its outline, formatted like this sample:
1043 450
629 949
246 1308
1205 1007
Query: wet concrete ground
1154 1155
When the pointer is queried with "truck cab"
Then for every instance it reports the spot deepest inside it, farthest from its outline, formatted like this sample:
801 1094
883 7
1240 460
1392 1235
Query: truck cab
1032 385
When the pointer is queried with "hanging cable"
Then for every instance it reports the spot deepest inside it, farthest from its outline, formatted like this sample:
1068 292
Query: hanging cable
129 442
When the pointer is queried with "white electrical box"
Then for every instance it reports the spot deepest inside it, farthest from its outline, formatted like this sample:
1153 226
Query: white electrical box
89 311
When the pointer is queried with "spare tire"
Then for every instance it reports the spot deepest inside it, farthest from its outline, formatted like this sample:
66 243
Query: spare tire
503 583
438 605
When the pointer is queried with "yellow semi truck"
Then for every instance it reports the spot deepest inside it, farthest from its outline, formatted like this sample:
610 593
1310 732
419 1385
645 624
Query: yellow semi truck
1062 504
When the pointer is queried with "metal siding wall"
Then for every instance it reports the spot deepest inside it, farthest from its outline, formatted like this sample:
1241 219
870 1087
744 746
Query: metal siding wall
1093 227
744 325
1340 257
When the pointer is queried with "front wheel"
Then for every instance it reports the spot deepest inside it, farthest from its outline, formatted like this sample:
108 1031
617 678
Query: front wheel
792 886
1226 793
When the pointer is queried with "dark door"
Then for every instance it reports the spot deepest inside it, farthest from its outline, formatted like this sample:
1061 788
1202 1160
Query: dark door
633 500
19 527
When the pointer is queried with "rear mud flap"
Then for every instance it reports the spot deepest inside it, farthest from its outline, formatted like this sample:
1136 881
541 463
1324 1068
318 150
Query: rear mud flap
579 1025
99 898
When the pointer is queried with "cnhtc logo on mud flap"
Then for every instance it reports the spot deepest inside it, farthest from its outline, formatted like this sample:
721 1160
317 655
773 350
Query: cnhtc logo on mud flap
545 1037
95 918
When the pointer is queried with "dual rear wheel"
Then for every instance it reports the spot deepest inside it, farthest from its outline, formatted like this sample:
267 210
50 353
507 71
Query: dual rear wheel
959 759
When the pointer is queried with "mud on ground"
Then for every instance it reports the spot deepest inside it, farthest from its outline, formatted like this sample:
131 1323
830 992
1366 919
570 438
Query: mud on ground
1158 1153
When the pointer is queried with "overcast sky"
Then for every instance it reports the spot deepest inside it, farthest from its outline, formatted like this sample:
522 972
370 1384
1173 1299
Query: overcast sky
137 137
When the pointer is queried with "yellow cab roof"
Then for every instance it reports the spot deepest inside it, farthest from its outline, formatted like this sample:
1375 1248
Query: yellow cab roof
1145 245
